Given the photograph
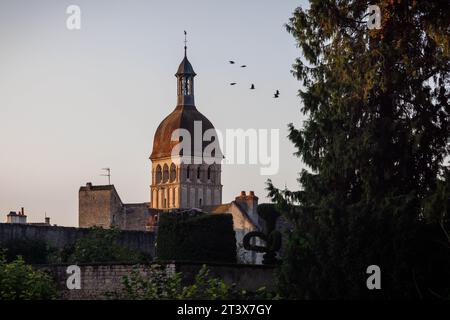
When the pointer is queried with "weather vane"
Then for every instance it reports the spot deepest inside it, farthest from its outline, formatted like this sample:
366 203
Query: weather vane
185 42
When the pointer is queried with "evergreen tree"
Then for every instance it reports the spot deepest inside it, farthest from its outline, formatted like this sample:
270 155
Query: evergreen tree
376 142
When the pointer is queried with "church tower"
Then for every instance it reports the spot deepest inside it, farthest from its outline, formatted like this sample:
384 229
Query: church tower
177 183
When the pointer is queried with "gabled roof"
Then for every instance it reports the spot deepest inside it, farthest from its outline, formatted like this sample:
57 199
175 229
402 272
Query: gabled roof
221 208
227 208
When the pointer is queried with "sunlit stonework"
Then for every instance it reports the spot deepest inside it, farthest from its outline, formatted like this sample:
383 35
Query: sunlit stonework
176 184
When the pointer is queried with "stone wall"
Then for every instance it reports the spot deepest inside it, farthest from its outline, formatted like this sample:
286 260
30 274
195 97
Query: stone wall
104 281
250 277
59 237
136 216
102 206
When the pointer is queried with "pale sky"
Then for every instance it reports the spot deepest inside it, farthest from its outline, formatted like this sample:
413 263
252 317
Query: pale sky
74 102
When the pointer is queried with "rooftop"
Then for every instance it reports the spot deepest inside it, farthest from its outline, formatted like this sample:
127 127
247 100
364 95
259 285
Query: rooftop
90 187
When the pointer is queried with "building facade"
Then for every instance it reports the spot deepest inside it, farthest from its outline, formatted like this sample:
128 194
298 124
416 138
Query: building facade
185 178
185 173
19 217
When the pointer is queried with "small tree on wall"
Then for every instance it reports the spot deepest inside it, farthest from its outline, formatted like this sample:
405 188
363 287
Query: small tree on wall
100 245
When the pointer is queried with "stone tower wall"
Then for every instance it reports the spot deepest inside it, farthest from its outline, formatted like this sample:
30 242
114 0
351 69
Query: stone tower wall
99 206
178 185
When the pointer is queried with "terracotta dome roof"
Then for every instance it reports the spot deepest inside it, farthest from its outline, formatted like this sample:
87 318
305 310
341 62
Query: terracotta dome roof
182 117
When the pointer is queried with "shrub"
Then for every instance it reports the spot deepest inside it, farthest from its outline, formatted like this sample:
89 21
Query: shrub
19 281
159 285
31 251
200 238
101 246
162 284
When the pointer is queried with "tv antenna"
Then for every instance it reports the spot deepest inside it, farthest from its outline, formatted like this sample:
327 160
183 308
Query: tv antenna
107 174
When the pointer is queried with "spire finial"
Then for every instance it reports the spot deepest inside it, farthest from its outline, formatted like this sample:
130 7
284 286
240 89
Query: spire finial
185 42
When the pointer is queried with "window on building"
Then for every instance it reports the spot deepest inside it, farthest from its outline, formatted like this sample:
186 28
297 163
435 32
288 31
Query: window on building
189 86
165 173
158 174
183 86
173 172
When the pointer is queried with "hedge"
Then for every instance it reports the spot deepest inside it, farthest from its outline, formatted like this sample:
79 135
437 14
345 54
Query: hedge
205 238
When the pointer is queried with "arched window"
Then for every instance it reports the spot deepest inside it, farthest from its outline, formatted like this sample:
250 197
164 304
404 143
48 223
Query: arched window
189 86
158 174
173 172
166 173
183 86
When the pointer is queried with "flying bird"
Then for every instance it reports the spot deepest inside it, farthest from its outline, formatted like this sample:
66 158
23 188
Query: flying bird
275 96
277 92
252 87
232 84
231 62
243 66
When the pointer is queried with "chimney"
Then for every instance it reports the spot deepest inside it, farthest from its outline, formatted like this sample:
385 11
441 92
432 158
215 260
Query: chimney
252 202
89 185
11 217
47 220
249 203
22 218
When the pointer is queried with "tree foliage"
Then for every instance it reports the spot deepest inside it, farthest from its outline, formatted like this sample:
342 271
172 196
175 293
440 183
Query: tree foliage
164 285
205 237
375 142
32 251
269 213
271 237
19 281
100 245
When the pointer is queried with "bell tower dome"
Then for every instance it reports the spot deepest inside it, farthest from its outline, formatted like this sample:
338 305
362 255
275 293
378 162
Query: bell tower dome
176 184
